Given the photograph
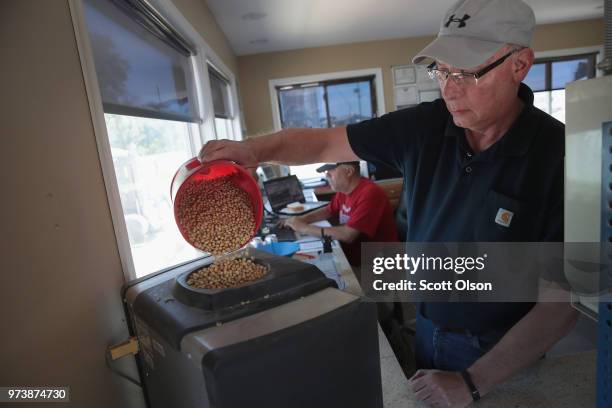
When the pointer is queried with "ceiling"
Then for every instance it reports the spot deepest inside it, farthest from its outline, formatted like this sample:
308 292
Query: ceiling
256 26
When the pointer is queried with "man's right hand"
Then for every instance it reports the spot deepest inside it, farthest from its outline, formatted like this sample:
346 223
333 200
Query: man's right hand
240 152
295 223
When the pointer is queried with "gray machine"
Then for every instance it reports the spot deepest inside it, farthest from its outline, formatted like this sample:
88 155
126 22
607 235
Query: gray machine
290 339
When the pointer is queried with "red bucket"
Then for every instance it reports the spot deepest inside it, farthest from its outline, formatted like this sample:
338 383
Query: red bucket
195 171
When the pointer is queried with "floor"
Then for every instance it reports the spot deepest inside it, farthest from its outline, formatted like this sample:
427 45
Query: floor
582 338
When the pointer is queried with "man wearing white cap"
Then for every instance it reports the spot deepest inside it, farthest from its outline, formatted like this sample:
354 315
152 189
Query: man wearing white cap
480 164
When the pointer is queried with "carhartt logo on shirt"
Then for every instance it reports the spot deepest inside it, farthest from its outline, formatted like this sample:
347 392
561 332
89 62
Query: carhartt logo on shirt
504 217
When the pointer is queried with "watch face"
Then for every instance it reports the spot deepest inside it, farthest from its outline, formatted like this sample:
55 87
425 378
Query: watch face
475 395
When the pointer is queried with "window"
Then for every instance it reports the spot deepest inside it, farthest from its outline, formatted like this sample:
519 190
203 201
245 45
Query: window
145 74
548 78
324 104
221 96
146 154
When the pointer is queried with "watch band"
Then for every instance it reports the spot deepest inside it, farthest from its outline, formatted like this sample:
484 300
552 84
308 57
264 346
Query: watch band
468 381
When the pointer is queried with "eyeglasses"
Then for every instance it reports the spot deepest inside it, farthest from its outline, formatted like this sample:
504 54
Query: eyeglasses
465 78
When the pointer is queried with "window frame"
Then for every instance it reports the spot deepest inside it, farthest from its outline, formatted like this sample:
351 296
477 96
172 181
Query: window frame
234 102
200 133
378 95
225 82
325 84
235 108
550 57
567 54
548 63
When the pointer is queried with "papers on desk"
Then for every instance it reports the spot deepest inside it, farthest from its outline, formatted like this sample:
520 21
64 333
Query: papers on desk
313 244
325 262
310 246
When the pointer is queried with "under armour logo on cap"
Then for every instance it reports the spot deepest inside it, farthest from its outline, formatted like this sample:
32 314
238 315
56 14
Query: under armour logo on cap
504 217
461 21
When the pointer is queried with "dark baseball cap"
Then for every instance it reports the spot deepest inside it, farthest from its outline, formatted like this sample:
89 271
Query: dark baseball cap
330 166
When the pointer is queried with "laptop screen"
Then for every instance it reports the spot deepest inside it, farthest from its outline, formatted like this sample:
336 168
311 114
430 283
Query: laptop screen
282 191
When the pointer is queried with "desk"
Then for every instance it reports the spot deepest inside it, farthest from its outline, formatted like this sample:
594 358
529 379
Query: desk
558 382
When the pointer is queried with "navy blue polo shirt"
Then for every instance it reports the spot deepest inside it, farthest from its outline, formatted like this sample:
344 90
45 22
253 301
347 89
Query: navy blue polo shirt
453 194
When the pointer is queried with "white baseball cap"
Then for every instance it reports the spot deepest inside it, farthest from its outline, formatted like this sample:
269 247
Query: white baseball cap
473 30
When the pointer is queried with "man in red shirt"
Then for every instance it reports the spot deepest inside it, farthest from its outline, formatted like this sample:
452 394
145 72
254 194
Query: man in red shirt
362 208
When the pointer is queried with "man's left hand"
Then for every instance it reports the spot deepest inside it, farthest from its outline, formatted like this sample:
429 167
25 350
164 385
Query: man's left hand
437 388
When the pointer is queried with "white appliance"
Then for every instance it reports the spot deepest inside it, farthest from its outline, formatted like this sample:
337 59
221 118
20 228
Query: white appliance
588 108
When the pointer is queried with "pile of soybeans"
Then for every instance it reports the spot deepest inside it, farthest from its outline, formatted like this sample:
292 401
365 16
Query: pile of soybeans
227 273
217 217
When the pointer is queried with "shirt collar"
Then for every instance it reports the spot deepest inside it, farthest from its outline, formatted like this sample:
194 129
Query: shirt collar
362 183
517 140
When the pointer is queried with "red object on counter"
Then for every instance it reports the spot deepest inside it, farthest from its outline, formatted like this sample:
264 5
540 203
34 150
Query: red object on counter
195 171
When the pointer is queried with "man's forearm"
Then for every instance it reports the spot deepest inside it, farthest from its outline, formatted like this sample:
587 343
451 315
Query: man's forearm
340 233
524 344
302 146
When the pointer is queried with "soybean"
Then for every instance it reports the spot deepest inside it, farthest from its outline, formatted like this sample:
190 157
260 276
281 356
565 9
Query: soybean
226 273
216 215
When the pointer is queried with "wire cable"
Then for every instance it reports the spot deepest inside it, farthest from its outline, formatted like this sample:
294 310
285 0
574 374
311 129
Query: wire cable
109 364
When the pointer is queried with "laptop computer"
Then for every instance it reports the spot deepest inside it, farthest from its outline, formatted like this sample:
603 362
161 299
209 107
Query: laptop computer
282 191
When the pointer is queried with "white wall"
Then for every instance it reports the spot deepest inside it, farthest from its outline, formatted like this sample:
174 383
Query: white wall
61 277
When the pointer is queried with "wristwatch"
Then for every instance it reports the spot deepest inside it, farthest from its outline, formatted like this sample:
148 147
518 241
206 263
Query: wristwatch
468 381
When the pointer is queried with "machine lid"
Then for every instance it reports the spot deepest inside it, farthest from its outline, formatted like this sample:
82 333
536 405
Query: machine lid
171 311
283 274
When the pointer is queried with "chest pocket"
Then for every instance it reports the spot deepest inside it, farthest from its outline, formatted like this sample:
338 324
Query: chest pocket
503 218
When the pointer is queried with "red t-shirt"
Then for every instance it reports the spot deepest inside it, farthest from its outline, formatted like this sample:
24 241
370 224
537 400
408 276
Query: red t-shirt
366 209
